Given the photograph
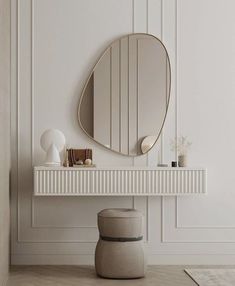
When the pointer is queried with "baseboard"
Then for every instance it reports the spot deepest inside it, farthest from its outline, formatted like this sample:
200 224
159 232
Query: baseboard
152 259
52 259
4 282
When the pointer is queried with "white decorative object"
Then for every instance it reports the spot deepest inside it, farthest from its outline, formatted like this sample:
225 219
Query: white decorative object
52 142
88 162
182 160
125 181
181 145
148 143
80 162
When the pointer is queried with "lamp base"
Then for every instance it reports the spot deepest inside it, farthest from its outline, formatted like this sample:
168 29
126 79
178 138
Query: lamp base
52 157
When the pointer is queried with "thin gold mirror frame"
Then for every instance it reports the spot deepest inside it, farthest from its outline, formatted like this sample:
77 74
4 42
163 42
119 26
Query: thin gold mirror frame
90 76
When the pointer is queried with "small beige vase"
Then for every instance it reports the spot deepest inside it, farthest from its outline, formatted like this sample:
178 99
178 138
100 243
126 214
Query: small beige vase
182 160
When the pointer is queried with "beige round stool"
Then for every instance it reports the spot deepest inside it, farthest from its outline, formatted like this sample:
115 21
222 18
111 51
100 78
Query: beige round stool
119 251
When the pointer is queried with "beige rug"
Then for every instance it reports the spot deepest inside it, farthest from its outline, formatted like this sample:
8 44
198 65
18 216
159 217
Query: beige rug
212 277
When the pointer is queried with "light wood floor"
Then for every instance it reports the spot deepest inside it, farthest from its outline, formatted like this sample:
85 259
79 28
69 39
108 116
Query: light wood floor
85 276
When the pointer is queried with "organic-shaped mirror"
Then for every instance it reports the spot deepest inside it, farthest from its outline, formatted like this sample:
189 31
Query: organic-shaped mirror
126 96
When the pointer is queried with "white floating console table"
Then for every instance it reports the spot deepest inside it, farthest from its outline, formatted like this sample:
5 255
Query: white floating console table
125 181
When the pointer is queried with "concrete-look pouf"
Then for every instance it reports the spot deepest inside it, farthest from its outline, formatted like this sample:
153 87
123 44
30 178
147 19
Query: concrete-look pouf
120 251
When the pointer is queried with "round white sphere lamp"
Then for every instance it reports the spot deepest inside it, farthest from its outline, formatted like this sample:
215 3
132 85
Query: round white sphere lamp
52 142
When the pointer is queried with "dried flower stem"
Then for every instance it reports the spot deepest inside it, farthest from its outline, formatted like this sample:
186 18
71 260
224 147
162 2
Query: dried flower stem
181 145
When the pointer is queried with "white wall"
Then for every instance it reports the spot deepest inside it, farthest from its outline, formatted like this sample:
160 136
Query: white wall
4 138
54 47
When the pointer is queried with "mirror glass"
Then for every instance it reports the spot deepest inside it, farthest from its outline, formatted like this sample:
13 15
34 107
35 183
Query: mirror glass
126 96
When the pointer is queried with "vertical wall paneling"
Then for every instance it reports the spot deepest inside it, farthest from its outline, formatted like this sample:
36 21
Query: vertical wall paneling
176 75
115 96
133 95
14 132
103 100
140 25
154 27
169 38
162 39
154 24
24 118
32 82
124 96
49 65
5 70
168 34
191 233
29 231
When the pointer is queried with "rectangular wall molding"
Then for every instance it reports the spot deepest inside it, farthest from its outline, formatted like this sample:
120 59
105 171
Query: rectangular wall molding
174 231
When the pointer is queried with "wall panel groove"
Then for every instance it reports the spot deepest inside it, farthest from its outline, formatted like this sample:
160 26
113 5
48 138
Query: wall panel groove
167 232
32 85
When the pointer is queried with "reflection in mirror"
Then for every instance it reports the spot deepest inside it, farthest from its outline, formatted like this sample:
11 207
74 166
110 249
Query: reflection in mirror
127 94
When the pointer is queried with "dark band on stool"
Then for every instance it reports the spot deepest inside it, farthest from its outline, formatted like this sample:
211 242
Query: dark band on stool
121 239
